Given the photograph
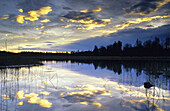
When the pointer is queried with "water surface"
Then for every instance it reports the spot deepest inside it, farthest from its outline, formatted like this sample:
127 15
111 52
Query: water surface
86 86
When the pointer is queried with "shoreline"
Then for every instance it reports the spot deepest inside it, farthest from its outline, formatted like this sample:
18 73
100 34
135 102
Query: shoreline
87 57
98 58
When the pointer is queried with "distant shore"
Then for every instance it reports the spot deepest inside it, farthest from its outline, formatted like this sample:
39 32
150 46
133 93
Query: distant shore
101 58
87 57
26 58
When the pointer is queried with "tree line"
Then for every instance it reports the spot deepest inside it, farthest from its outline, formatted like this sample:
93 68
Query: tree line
147 48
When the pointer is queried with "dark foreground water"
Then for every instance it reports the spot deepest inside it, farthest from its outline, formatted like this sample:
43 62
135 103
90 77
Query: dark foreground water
86 86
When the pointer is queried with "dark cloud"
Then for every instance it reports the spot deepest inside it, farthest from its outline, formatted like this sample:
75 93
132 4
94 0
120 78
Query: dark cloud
67 8
21 48
49 42
7 32
143 7
28 5
29 45
146 7
2 4
149 26
111 8
85 16
82 3
78 15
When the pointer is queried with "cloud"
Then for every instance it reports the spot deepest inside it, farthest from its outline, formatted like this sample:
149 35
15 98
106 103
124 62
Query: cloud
49 42
7 32
67 8
85 19
129 23
44 32
86 95
5 16
20 10
45 20
29 45
2 5
28 5
34 15
146 7
20 18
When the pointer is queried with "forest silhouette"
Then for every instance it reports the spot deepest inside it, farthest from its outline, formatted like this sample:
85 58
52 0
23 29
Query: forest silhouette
148 48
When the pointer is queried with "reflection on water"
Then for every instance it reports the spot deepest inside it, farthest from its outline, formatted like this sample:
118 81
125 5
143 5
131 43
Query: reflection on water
86 85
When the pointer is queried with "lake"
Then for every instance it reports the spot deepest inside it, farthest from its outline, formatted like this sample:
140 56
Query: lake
86 86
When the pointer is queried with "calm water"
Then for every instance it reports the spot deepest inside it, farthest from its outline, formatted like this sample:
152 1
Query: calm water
86 86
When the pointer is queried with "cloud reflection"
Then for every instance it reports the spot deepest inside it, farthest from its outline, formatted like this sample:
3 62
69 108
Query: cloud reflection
34 99
86 95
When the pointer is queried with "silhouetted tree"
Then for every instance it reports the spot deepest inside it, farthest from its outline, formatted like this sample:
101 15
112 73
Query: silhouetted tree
147 44
138 43
102 50
127 50
119 48
95 50
167 43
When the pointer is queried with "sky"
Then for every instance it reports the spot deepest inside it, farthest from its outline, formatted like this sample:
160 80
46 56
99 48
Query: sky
69 25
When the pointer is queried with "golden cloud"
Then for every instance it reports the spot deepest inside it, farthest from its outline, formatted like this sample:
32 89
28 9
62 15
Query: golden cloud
20 18
67 26
84 11
34 15
160 4
97 10
94 10
5 16
89 24
83 21
20 10
43 32
45 20
132 22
